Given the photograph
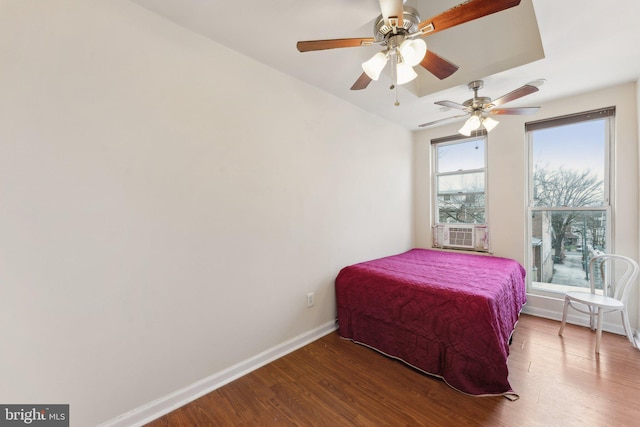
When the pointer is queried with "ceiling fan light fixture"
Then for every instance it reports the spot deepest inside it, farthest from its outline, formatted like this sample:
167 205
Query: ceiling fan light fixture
477 122
472 123
465 129
413 51
374 66
489 123
404 73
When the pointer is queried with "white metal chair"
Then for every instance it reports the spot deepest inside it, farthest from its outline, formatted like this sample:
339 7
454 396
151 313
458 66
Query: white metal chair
616 287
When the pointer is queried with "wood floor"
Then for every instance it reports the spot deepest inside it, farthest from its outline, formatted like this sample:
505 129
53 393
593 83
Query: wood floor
334 382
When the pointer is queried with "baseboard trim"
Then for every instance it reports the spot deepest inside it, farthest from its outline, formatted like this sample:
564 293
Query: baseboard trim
574 319
159 407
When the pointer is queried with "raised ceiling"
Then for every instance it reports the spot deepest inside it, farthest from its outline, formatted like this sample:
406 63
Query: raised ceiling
576 45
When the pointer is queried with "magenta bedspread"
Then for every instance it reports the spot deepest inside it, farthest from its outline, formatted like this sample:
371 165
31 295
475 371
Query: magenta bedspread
448 314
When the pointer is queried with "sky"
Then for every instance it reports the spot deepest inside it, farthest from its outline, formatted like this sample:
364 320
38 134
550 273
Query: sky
465 155
577 146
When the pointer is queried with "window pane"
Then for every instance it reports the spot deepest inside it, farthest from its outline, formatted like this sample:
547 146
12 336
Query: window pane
569 200
562 244
466 155
459 179
569 165
461 208
461 183
461 198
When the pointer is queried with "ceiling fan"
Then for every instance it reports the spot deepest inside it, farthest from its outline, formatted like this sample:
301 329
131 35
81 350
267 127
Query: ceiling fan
480 108
398 29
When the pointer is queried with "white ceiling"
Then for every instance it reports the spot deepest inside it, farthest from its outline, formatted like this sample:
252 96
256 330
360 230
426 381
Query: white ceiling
576 45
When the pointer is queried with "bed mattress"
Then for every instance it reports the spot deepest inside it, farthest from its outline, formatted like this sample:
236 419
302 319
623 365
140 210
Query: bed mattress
447 314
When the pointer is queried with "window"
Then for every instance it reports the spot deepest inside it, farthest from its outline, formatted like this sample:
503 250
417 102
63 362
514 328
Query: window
569 198
460 180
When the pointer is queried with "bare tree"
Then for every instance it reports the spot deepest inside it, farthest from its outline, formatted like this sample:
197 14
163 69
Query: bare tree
596 224
467 208
560 187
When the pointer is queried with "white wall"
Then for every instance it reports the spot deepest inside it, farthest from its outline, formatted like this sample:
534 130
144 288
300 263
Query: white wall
166 204
507 181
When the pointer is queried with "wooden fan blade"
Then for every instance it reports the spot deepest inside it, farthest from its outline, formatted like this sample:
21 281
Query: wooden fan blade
514 111
465 12
438 66
306 46
442 120
451 104
362 82
392 9
513 95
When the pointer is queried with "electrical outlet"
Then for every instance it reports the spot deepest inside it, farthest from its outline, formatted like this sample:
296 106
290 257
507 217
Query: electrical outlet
310 299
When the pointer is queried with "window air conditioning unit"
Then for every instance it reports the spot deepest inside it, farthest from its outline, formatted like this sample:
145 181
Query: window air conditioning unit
473 237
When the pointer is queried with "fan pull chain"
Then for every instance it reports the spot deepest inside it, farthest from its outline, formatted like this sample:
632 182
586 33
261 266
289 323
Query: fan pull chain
394 77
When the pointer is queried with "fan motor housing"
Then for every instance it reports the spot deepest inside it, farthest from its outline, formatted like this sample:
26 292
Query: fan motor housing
410 23
477 103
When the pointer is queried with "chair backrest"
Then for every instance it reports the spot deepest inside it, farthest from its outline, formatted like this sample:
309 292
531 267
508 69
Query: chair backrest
616 273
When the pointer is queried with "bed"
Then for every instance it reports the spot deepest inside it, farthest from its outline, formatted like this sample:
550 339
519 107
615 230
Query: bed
448 314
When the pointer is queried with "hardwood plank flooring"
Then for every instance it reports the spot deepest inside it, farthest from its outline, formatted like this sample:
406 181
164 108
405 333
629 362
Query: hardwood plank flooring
334 382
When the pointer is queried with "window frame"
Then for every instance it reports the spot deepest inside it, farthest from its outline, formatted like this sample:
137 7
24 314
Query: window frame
607 113
451 140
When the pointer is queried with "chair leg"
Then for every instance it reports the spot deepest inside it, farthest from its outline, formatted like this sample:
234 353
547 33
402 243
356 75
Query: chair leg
627 325
592 315
564 315
599 330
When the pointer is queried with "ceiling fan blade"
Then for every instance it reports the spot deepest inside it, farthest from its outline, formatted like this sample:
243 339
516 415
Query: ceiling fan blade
514 111
362 82
442 120
513 95
310 45
451 104
465 12
437 65
392 9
